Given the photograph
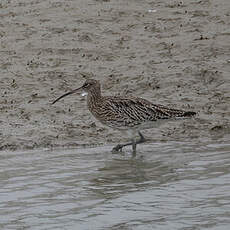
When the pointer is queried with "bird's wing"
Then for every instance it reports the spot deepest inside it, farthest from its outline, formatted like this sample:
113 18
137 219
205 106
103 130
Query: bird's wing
141 109
133 111
130 111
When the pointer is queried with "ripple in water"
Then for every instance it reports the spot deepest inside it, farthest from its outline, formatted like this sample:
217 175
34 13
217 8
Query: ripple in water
168 186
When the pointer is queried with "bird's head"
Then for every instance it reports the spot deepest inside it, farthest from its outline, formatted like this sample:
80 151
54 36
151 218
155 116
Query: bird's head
90 86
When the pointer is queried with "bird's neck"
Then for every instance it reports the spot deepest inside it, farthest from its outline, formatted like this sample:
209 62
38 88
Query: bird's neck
93 99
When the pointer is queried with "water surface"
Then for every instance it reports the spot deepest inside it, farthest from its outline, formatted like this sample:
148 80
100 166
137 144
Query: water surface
169 185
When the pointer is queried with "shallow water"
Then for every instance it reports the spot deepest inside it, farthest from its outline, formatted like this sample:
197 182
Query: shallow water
169 185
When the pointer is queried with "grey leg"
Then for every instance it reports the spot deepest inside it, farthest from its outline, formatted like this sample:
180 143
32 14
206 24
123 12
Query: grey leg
134 145
118 148
142 138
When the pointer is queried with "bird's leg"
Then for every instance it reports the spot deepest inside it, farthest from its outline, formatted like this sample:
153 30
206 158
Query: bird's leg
142 138
118 148
134 145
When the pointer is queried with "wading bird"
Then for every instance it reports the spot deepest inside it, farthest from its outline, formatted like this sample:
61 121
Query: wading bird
131 114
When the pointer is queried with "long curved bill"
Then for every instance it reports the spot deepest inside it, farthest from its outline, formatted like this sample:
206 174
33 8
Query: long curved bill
66 94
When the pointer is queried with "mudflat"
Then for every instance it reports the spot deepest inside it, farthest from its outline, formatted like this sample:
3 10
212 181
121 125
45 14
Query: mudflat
175 53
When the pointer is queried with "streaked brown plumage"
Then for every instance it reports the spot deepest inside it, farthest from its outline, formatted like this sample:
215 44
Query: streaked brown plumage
126 113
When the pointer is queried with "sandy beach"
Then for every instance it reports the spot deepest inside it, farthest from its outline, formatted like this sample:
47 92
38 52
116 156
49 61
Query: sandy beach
175 53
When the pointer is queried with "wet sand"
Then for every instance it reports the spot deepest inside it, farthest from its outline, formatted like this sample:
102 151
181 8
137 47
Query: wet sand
170 52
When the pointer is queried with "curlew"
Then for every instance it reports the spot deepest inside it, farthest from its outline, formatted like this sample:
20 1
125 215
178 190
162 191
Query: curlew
131 114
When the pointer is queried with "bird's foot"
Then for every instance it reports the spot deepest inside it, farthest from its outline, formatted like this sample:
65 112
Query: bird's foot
117 148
